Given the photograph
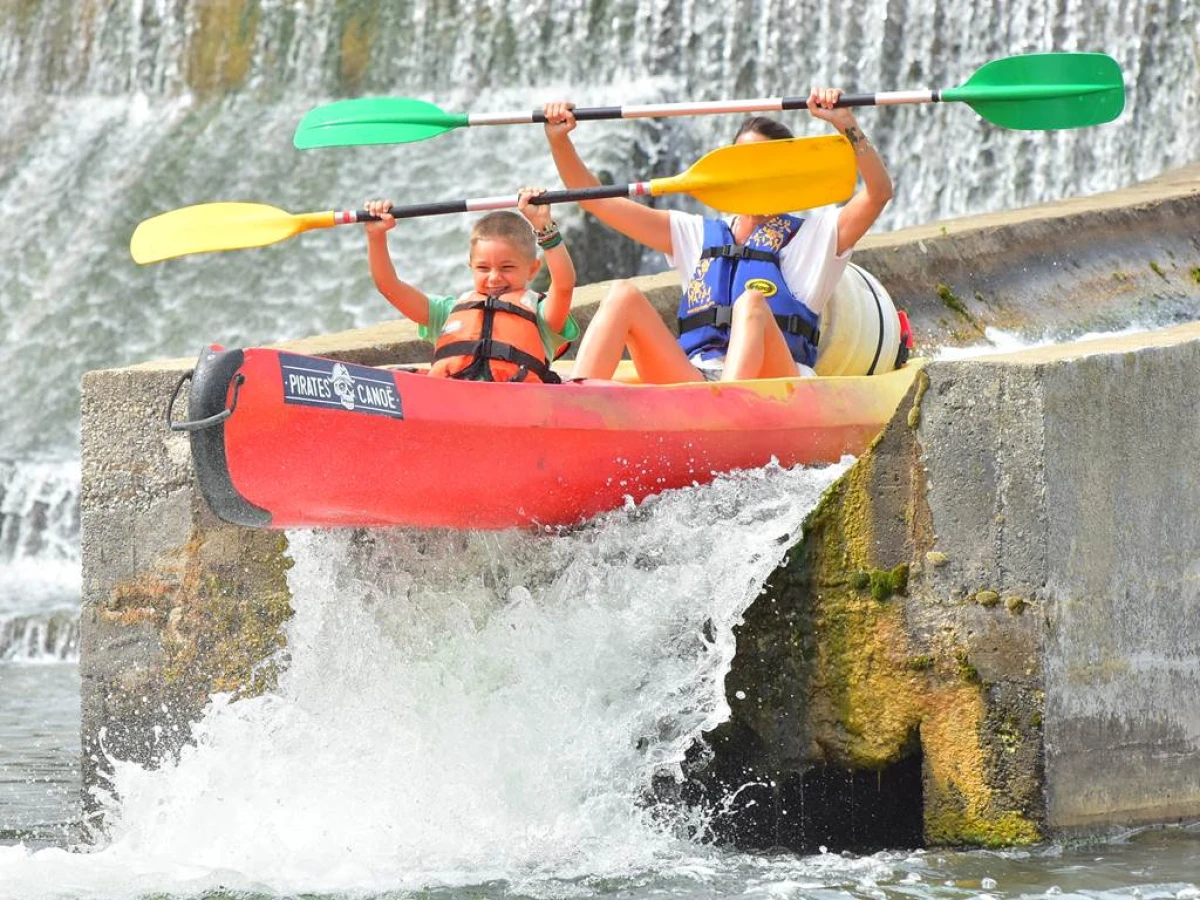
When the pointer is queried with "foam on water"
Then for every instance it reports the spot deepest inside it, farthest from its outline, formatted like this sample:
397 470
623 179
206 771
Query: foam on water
997 341
459 709
39 561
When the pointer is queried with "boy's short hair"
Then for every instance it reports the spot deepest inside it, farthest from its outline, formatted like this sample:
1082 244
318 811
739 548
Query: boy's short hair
506 226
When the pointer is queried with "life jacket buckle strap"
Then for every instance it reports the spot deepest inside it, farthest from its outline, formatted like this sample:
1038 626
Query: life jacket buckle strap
718 316
795 324
738 251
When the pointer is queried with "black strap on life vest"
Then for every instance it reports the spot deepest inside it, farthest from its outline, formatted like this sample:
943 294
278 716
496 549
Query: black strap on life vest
738 251
721 316
485 350
494 303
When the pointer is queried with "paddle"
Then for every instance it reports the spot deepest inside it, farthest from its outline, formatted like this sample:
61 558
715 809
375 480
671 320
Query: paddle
760 178
1035 92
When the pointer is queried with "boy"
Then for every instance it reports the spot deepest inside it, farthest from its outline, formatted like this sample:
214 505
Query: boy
501 330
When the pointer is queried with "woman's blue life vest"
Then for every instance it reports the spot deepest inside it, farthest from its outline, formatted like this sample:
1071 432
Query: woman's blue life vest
727 270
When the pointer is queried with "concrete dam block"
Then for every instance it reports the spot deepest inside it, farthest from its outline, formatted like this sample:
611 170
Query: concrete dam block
989 634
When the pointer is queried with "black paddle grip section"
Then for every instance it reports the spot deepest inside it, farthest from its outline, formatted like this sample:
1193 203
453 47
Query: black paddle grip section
574 195
584 115
211 378
422 209
843 101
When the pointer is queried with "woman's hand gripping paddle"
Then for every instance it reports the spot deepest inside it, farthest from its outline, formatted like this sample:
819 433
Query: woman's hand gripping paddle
761 178
1035 92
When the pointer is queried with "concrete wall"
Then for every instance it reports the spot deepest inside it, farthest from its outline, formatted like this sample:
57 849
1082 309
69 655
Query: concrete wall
1122 544
1075 480
176 605
1085 264
1006 590
970 587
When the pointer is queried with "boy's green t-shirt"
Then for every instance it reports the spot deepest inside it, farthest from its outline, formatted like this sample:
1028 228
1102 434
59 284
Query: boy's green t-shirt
439 312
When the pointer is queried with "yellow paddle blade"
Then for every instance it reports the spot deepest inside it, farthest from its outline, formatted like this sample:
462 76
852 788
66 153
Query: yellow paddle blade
769 177
218 226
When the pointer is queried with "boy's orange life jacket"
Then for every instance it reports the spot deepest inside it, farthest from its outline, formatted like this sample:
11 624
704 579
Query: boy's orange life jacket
491 339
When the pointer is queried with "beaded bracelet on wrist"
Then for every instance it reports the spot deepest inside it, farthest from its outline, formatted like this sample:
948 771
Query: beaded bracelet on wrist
550 241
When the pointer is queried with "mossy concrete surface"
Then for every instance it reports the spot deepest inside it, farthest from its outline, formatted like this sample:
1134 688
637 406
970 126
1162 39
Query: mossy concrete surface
1067 267
176 605
1008 584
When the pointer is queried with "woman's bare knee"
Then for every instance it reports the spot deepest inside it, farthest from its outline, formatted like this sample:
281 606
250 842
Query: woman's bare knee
625 296
751 307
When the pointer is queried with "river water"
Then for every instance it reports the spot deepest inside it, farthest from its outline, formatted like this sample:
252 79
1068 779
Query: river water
114 112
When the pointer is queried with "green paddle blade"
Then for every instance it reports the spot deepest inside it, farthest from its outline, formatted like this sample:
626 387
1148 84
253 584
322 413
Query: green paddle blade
218 226
1041 91
373 120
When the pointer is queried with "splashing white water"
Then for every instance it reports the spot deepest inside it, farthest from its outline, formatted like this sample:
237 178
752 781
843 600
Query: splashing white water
997 341
459 709
39 561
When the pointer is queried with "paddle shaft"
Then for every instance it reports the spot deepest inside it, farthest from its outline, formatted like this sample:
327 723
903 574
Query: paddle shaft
777 104
507 201
661 110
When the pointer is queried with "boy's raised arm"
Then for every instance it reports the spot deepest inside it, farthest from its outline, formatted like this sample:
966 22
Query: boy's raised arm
562 286
410 301
558 259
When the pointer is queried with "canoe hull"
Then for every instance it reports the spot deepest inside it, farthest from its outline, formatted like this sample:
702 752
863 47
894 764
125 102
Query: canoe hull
314 443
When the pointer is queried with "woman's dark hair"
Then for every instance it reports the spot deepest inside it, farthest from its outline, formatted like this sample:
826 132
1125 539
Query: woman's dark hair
767 127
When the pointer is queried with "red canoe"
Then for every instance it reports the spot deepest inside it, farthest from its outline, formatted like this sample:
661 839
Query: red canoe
281 440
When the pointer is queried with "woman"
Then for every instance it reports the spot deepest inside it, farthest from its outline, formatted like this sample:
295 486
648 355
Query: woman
754 287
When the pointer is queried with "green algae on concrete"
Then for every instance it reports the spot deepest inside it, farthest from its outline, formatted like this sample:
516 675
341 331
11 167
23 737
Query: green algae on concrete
222 45
913 419
219 605
950 299
359 27
836 672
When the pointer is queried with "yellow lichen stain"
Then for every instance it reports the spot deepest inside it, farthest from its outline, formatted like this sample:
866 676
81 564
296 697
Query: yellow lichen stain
1104 671
914 413
219 626
862 668
865 673
358 33
960 807
876 687
222 45
143 600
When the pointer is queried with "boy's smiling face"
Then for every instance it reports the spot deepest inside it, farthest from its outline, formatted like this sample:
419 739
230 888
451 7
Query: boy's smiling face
498 267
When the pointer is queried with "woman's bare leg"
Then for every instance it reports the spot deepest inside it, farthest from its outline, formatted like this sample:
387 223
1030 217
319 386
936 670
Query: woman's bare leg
757 348
626 318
